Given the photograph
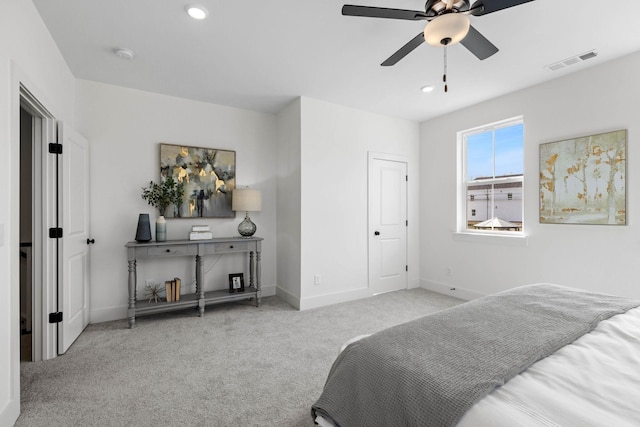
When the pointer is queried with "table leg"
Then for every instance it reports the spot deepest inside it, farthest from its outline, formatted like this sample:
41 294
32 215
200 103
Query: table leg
132 293
251 269
258 278
199 285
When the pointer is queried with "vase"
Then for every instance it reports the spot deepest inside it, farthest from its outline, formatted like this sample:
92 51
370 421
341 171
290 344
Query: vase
247 228
143 232
161 229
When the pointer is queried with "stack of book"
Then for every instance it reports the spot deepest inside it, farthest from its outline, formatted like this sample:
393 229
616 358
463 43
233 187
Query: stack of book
200 232
172 289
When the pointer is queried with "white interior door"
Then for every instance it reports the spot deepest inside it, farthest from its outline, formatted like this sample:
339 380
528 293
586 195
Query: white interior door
387 224
73 294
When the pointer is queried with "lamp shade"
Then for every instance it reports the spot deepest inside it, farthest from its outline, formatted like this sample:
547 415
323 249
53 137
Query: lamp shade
246 200
453 26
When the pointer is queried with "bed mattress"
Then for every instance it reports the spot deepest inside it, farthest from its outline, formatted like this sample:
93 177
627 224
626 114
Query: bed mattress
594 381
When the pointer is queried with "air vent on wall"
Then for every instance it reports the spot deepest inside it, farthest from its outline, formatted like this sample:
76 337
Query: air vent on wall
573 60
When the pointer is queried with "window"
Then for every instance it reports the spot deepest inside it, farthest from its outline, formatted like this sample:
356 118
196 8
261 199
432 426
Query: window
492 170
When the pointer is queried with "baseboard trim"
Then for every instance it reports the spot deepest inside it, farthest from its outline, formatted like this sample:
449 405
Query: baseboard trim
268 291
108 314
335 298
10 413
288 297
454 291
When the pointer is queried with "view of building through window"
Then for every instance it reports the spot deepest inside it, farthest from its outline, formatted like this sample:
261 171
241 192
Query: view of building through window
494 161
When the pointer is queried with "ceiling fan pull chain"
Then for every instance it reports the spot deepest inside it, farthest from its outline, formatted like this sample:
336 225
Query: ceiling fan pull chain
444 76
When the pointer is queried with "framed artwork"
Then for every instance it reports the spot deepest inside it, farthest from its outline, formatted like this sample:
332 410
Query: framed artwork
583 180
236 282
207 176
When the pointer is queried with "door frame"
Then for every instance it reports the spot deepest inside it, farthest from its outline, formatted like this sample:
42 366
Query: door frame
372 155
19 82
45 262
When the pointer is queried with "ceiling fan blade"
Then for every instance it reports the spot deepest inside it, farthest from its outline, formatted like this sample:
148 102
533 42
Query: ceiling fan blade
382 12
483 7
478 44
404 50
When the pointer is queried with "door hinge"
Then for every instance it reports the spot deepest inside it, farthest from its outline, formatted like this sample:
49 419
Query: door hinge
55 233
406 268
55 317
55 148
406 223
406 178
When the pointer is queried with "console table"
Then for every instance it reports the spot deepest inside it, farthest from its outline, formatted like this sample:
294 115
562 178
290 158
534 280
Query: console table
196 249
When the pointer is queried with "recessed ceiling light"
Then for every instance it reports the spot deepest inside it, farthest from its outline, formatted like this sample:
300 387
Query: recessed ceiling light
197 12
427 89
125 53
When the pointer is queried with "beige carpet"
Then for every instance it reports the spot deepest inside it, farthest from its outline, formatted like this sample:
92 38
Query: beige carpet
237 366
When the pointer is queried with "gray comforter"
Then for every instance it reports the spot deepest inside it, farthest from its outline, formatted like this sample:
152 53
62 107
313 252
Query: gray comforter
430 371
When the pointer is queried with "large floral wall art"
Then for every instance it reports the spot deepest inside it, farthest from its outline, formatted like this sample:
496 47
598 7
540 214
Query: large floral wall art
207 176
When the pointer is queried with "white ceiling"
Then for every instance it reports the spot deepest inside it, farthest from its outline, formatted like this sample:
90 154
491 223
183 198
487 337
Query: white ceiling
260 55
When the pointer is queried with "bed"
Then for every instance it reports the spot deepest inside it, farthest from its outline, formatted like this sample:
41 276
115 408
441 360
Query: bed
537 355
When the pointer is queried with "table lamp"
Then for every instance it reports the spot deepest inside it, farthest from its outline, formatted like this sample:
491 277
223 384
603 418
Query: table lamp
248 201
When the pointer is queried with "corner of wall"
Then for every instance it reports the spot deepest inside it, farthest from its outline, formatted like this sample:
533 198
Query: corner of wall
288 297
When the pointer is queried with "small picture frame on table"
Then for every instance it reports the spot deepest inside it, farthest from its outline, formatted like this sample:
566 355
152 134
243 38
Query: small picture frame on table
236 282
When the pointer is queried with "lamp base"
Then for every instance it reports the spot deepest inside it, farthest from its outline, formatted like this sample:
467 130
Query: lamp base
247 228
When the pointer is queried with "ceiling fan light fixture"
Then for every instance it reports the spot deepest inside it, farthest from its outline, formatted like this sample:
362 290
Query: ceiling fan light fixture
453 26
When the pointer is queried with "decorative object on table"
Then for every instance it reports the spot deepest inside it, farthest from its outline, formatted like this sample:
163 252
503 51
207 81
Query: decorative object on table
153 291
236 282
168 290
583 180
177 283
161 196
208 176
143 232
248 201
161 229
172 289
200 232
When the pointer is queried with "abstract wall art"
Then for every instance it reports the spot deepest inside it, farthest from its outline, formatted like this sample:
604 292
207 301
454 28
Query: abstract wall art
583 180
207 176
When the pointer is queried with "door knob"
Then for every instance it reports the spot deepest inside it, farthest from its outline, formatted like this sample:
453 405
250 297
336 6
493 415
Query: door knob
377 233
91 241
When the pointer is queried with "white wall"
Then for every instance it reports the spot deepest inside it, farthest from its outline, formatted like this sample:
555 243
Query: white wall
289 193
335 142
599 258
124 127
28 55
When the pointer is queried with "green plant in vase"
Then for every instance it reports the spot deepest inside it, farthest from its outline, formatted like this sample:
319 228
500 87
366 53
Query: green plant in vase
161 196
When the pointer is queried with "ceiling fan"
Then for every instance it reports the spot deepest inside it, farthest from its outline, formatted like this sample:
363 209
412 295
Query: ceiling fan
448 24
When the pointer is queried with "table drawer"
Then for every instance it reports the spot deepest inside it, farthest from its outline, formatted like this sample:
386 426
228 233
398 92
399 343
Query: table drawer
229 247
172 250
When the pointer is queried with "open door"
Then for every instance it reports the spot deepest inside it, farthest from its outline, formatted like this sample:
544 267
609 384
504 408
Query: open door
387 223
73 291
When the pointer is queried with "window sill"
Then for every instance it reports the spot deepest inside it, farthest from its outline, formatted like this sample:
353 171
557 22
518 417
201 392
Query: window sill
498 239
